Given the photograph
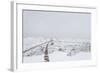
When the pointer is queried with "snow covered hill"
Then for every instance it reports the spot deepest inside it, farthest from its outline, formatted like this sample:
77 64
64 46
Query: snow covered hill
58 50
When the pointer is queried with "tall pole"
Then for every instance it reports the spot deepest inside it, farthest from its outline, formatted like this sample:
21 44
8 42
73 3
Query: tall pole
46 57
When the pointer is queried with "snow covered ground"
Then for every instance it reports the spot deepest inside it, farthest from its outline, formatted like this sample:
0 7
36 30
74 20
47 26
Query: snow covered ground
62 50
57 57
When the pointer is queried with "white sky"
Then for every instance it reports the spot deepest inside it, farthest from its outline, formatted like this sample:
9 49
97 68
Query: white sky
56 24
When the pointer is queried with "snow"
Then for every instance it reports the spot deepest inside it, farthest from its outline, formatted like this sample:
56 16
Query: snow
62 50
58 56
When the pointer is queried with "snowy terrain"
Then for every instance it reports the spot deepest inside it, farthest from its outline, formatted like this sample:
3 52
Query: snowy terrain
58 50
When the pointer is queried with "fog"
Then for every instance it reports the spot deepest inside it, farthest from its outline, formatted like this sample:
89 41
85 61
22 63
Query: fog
56 24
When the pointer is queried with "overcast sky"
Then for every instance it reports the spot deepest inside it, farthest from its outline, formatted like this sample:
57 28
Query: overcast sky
56 24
